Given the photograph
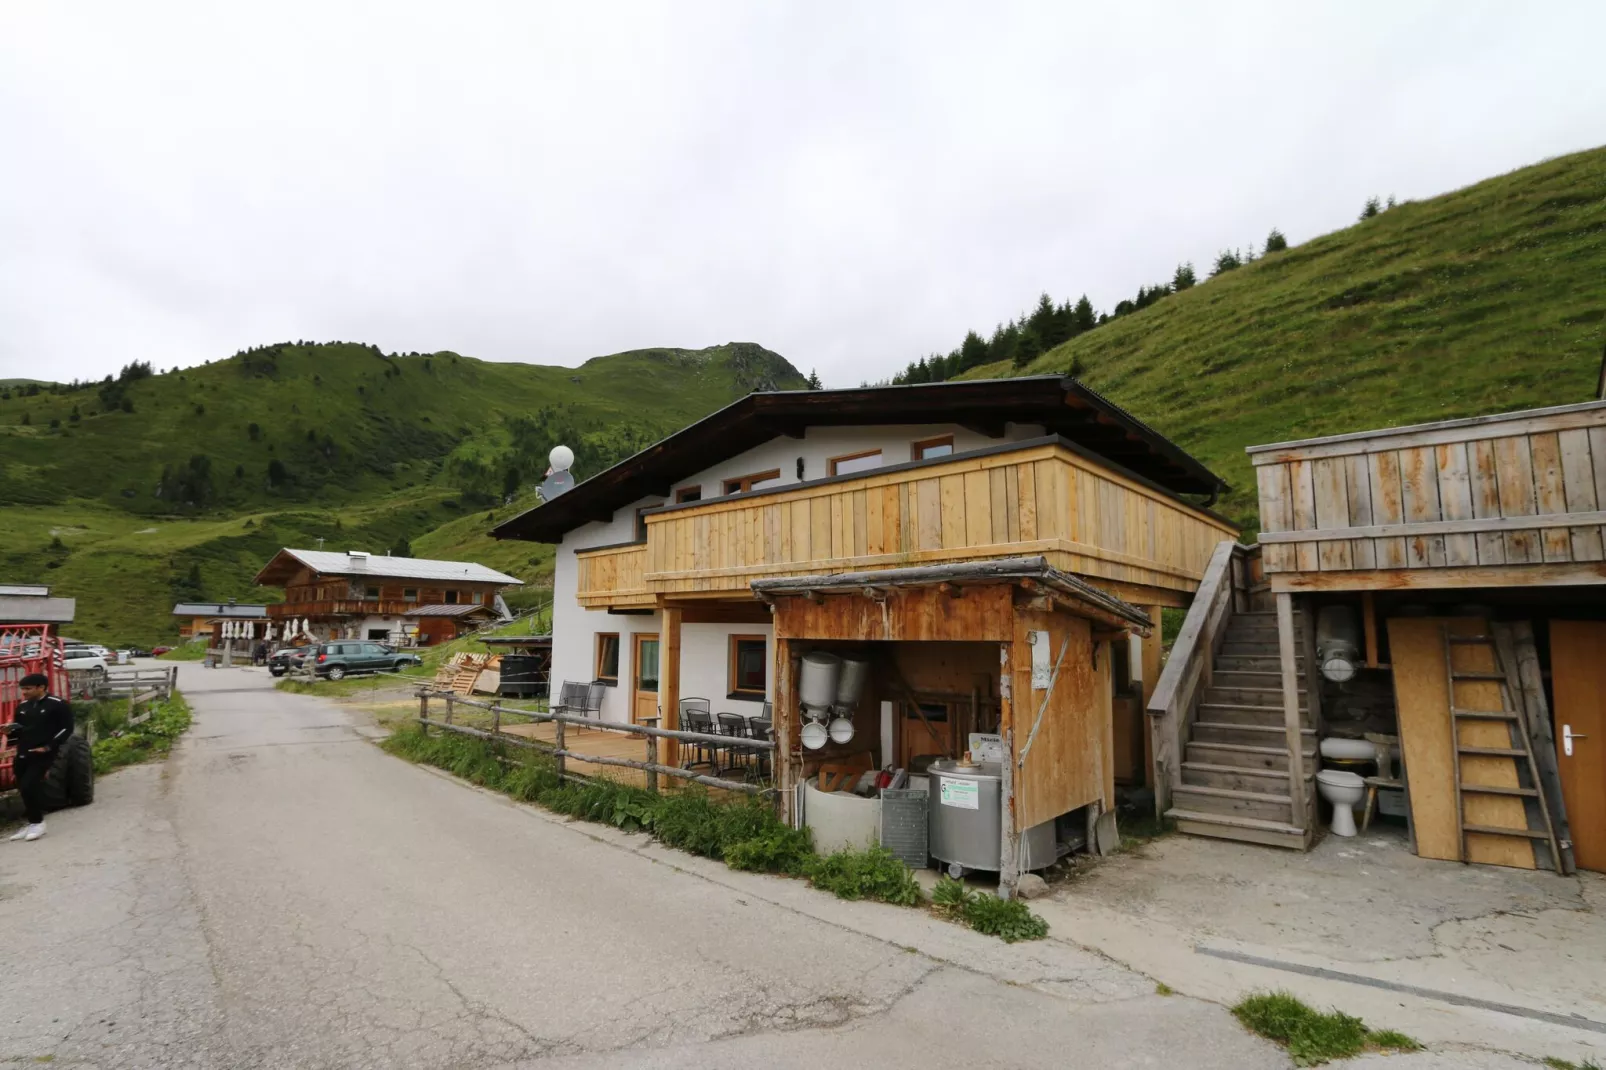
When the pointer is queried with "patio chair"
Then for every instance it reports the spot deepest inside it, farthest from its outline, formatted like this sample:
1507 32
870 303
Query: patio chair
593 700
571 697
696 754
760 728
733 725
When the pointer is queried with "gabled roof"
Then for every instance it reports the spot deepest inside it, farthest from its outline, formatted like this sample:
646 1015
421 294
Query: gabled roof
1062 405
287 562
36 609
229 610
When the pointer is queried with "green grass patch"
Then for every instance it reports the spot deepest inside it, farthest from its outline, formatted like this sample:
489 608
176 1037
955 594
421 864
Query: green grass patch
873 873
1565 1064
191 651
1312 1037
1008 919
117 744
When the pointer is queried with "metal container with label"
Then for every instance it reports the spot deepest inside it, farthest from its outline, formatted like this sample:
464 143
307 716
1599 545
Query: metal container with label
964 819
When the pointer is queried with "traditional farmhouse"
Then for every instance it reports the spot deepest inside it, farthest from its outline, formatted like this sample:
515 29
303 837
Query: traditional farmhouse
201 620
984 561
32 603
398 600
1424 633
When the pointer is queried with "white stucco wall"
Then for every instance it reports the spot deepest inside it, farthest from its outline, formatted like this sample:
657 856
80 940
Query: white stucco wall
705 647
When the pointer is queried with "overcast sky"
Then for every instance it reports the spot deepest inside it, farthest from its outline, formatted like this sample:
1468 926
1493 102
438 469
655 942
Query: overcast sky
850 184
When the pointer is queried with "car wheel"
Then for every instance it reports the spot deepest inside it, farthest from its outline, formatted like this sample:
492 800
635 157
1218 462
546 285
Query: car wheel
276 672
336 672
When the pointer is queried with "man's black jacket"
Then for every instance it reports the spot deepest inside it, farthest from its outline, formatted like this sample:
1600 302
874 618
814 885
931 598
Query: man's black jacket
42 722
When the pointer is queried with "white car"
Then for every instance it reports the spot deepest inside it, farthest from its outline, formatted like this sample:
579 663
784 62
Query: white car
83 659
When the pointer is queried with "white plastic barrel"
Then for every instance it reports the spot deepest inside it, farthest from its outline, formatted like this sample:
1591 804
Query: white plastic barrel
821 672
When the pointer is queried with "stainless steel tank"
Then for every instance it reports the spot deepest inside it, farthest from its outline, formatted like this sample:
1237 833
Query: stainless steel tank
965 822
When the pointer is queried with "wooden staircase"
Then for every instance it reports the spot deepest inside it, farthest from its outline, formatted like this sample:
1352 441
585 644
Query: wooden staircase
1235 780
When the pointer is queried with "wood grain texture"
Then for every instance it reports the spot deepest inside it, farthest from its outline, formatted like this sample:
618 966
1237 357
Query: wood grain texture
1358 484
1419 496
1578 679
1328 476
1550 495
1497 811
1066 767
1422 703
1514 469
1383 470
1578 477
1455 501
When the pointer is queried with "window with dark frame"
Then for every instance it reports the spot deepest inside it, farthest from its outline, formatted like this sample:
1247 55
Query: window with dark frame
853 462
372 593
451 598
928 448
409 594
749 666
743 484
688 494
641 521
608 657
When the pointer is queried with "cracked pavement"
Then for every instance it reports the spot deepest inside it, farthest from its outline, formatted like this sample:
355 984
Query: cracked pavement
280 893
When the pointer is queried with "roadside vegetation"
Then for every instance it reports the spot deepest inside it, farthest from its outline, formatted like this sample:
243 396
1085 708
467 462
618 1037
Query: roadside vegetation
744 834
1312 1037
117 744
194 650
1563 1064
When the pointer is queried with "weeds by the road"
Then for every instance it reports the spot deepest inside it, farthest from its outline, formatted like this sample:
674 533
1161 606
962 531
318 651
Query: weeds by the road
1564 1064
1008 919
744 835
117 745
1311 1037
195 650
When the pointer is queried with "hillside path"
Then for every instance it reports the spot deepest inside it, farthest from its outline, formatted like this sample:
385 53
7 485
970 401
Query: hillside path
281 893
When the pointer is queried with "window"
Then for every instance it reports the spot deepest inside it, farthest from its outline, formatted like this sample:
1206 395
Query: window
927 448
451 598
688 494
608 657
743 484
371 593
409 594
748 666
641 521
853 462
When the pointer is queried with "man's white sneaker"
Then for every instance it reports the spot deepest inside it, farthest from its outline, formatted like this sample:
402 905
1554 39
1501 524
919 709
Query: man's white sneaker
20 834
33 832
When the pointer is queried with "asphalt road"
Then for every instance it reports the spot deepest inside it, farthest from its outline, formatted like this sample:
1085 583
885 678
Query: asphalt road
281 893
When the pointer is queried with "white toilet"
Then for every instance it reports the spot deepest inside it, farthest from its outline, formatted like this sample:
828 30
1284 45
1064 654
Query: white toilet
1343 790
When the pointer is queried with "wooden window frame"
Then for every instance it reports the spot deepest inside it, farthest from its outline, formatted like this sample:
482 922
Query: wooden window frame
450 596
733 691
830 464
409 594
918 447
372 594
744 484
689 494
596 657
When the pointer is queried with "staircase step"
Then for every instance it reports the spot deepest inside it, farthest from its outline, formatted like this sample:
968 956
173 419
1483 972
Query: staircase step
1251 679
1218 694
1489 789
1247 829
1484 715
1264 660
1244 755
1238 713
1496 830
1233 802
1251 734
1210 775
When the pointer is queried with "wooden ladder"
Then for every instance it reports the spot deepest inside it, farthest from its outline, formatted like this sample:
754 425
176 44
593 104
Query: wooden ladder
1520 750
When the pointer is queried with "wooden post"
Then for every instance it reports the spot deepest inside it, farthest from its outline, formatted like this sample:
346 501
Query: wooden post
1009 856
1369 622
652 755
1313 671
669 681
782 714
451 705
423 711
1291 720
558 739
1149 667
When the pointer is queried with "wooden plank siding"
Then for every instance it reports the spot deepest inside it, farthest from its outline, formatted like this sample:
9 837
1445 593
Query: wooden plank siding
1524 488
1040 500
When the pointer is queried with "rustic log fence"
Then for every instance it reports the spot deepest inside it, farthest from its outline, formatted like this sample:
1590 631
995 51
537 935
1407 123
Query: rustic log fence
559 750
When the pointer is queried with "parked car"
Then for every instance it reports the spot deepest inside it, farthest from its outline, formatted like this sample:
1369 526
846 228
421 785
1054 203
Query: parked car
288 659
83 659
158 651
335 661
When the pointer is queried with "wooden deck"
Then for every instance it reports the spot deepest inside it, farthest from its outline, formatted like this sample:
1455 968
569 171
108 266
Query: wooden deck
605 745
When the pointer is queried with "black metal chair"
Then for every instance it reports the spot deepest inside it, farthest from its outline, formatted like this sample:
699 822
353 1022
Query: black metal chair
760 728
689 708
700 753
734 726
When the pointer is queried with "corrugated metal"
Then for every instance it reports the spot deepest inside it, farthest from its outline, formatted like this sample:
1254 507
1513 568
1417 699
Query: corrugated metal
335 563
220 609
25 609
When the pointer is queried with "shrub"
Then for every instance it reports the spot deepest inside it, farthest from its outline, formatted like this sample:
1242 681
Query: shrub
152 739
875 873
1008 919
1311 1037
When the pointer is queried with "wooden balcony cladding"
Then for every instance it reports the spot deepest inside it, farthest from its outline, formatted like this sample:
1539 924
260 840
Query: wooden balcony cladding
339 607
1043 498
613 576
1524 488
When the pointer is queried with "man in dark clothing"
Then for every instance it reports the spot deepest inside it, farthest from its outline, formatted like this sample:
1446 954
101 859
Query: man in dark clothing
42 725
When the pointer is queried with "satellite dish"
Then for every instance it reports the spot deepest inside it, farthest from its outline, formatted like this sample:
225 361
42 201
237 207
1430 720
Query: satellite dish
559 480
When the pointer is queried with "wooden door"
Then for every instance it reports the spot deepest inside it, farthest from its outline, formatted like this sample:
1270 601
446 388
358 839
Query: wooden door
644 677
1578 678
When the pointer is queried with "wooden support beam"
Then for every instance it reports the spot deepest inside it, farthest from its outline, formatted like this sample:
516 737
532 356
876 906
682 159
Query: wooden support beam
669 679
952 590
1149 668
783 716
1369 622
1009 859
1291 721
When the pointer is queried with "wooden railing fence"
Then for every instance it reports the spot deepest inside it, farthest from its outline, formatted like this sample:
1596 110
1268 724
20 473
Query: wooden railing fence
650 734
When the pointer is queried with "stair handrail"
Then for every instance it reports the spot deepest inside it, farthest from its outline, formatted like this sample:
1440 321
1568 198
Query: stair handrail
1188 670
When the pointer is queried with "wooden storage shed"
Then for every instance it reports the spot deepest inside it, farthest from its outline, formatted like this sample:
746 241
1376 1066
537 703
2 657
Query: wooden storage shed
1011 646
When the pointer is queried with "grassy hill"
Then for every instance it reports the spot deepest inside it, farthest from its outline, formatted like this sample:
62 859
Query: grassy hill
114 494
1487 299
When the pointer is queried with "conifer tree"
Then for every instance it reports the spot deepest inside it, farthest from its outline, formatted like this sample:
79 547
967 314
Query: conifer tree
1275 242
1084 317
814 380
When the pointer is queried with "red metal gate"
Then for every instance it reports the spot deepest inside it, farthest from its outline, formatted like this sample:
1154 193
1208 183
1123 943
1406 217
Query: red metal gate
25 649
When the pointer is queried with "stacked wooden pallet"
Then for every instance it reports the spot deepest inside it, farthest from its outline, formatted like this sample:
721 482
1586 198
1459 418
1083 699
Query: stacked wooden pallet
465 673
